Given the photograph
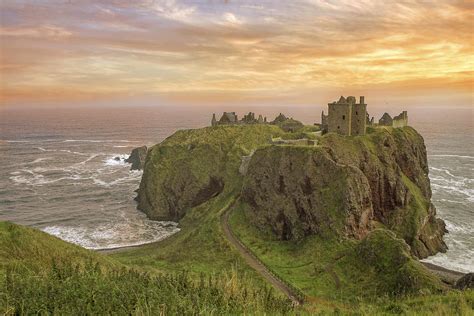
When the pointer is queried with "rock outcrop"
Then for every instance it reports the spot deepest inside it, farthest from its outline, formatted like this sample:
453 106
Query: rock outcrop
466 282
344 185
137 158
299 191
193 166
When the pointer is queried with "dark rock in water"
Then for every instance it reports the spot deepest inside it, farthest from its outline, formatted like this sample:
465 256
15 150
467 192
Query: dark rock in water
117 158
466 282
137 158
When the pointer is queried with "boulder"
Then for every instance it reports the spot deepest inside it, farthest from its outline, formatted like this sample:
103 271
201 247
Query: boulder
466 282
137 158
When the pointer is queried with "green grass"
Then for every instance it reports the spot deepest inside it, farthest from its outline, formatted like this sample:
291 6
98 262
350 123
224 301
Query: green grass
374 277
40 274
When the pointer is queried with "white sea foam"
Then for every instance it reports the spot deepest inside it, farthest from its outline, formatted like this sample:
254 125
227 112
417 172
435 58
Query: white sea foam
37 160
111 161
453 156
63 150
109 236
463 264
98 141
133 176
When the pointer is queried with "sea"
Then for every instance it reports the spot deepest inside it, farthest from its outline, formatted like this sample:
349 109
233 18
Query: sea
59 172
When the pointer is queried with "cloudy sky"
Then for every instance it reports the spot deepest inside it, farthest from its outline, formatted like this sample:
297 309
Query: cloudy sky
212 51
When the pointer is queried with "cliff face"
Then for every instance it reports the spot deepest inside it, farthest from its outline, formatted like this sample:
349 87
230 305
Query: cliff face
192 166
345 186
299 191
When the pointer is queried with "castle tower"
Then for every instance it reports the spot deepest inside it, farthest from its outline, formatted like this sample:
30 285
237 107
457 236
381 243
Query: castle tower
214 120
359 115
339 117
346 116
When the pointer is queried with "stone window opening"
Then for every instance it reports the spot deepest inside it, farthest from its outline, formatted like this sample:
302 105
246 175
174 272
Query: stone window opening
343 117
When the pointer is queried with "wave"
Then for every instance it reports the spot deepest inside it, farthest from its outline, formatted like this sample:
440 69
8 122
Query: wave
111 161
456 156
133 176
465 265
15 141
111 236
98 141
63 151
455 190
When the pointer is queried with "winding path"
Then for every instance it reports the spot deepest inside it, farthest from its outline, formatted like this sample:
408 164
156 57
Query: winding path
251 259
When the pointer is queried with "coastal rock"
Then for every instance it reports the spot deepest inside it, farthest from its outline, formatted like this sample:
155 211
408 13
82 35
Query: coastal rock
389 257
466 282
137 158
193 166
343 185
299 191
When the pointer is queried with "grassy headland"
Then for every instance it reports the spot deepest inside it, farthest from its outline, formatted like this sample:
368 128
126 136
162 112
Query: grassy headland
361 261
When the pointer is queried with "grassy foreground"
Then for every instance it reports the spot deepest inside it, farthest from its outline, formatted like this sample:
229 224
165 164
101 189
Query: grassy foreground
40 274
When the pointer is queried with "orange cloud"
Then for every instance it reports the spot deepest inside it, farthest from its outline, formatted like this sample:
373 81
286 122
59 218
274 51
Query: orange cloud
226 51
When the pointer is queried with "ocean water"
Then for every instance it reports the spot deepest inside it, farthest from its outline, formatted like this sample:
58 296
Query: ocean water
58 172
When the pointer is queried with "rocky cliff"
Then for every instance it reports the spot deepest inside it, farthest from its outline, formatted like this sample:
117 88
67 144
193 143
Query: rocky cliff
348 186
137 158
344 186
193 166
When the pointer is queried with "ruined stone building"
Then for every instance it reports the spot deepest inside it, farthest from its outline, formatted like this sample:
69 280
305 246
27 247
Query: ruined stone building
230 118
386 120
400 120
345 117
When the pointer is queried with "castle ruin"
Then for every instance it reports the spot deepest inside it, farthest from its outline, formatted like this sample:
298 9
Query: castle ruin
400 120
345 117
230 118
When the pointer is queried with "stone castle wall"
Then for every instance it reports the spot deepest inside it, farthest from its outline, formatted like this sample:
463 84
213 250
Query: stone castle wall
339 118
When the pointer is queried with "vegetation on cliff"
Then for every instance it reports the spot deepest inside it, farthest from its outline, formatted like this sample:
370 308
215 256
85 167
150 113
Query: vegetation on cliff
193 166
344 185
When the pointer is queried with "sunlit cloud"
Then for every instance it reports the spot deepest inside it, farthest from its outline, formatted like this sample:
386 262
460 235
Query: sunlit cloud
194 50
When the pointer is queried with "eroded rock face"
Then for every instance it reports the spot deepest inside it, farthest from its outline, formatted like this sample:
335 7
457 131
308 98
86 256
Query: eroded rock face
137 158
343 185
299 191
193 166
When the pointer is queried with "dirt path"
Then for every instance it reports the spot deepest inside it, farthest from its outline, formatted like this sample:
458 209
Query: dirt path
251 260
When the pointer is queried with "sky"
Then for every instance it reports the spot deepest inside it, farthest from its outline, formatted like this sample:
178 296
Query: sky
236 52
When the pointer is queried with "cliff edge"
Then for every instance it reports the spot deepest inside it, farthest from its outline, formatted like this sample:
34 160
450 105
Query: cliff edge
344 186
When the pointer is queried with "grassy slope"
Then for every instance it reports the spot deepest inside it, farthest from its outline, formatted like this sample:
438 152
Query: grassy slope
337 276
42 274
26 248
